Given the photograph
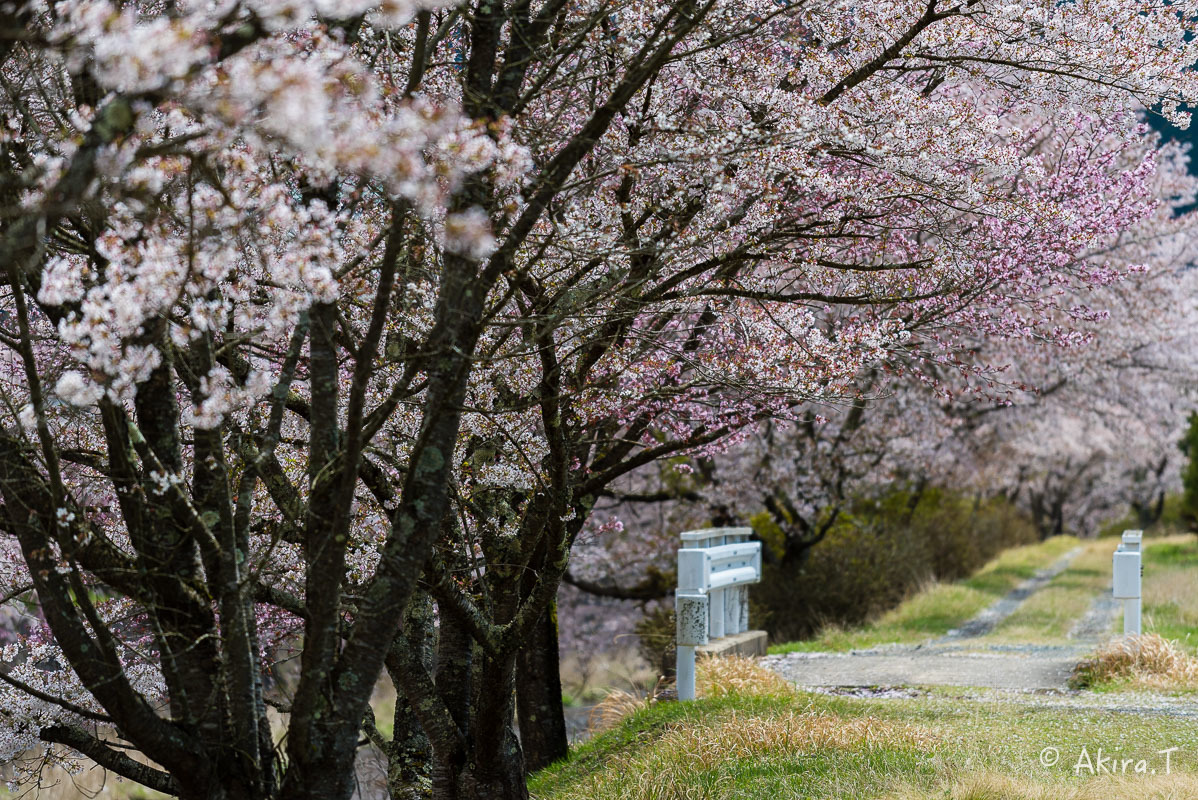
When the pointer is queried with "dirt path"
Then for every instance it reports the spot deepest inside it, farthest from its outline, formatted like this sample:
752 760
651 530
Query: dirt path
961 658
1037 667
1006 605
1097 622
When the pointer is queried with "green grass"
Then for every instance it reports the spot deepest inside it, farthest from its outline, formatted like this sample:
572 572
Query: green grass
635 759
1175 552
1171 590
940 607
939 746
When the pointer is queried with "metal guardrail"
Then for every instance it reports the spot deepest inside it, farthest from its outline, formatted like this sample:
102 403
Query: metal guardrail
715 568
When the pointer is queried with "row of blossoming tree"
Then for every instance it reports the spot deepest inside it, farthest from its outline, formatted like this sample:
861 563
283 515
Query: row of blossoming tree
1074 430
1069 433
326 324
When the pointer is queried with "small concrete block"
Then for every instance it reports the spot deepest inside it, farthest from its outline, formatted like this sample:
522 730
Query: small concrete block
749 643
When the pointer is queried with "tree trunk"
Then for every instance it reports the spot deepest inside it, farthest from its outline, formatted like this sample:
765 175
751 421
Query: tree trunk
539 696
408 752
493 767
460 777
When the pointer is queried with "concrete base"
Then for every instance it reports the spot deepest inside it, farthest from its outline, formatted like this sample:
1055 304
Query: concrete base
749 643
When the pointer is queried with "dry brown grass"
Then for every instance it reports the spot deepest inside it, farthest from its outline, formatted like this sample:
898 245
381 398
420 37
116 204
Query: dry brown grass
714 677
739 735
690 760
996 786
1149 661
1172 589
614 709
1174 586
717 677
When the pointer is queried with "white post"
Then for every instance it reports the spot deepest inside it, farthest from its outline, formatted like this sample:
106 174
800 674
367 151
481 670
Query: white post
690 613
733 596
686 672
1131 617
1126 580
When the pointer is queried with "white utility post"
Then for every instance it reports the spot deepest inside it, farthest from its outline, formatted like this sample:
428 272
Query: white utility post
1127 571
715 568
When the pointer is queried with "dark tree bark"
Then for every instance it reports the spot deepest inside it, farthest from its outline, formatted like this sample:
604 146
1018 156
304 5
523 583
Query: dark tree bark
539 695
409 752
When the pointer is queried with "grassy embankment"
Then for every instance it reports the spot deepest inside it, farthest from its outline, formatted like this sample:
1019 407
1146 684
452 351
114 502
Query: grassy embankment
769 741
766 740
1171 589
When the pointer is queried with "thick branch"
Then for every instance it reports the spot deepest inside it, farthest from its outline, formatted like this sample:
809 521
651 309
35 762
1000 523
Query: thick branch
110 759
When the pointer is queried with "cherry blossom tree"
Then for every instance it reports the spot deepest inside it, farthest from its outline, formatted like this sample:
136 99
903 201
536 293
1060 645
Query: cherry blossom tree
327 326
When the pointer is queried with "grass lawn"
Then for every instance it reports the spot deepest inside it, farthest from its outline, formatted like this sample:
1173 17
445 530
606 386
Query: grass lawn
947 744
940 607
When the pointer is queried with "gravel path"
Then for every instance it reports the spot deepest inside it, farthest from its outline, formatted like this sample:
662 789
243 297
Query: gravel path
1140 704
1042 668
958 659
1152 704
